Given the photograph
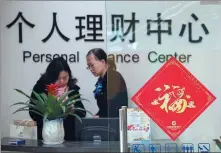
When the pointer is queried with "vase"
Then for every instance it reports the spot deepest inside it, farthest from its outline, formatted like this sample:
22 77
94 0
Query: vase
53 131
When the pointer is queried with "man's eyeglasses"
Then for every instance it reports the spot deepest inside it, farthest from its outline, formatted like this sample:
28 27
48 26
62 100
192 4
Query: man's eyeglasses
90 66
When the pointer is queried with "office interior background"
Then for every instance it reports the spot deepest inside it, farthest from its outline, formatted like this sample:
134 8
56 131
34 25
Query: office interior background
25 56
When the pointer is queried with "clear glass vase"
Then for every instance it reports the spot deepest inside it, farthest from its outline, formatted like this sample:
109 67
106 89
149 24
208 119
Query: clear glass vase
53 131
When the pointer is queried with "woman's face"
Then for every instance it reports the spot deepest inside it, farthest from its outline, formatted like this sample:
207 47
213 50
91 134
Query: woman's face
63 79
95 66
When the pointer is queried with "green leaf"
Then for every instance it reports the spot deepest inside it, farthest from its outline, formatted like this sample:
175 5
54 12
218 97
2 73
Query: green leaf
21 92
74 102
60 100
64 115
51 103
54 107
36 112
39 98
20 103
58 110
47 105
29 106
83 99
33 100
63 108
81 109
70 99
73 97
76 117
45 116
20 109
23 109
44 97
42 108
42 101
50 117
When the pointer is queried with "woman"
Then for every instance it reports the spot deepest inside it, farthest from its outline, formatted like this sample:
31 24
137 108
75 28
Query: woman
58 72
111 90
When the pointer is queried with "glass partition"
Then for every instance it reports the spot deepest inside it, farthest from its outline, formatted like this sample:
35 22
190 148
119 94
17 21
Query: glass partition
142 37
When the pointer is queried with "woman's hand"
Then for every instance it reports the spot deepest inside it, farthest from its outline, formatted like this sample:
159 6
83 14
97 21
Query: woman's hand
71 108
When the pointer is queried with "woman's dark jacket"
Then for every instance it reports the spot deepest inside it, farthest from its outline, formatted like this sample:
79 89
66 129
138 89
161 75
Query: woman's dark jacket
111 94
69 122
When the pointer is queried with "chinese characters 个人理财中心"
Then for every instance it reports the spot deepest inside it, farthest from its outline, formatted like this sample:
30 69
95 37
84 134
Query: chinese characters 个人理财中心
90 29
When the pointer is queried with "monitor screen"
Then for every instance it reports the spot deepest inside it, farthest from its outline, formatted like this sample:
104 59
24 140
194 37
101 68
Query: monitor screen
97 129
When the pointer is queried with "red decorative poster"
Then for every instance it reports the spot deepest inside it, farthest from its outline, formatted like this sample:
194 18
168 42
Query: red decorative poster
173 98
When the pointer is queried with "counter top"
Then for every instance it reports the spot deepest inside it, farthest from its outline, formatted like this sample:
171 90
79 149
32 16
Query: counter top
66 147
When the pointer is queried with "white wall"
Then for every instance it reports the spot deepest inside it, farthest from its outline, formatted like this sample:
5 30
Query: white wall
204 63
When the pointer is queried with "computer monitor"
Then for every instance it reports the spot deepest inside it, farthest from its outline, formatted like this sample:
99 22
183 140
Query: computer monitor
97 129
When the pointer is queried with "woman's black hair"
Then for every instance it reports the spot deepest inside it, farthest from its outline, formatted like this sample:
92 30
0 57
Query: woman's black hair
98 53
56 66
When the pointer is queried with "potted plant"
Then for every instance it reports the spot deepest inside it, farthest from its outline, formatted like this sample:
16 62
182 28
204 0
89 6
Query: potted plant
53 110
